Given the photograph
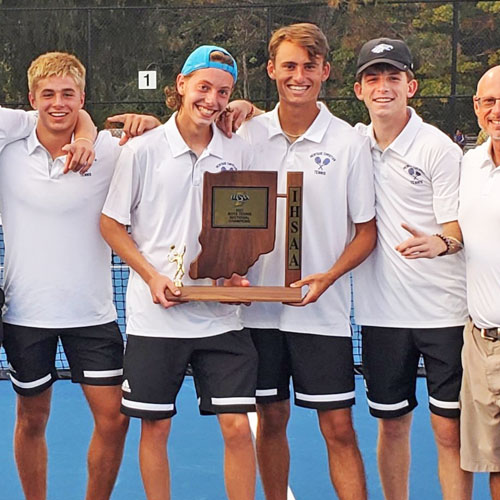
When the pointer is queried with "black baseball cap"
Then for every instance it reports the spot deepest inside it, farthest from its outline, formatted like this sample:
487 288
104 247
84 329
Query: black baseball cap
385 50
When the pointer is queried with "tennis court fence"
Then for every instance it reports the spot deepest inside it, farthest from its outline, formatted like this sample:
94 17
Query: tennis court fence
126 47
120 273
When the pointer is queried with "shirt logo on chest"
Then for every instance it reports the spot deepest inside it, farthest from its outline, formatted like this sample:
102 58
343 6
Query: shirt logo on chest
321 161
89 173
225 165
415 174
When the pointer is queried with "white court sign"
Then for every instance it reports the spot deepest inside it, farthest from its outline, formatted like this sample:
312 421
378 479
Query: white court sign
147 80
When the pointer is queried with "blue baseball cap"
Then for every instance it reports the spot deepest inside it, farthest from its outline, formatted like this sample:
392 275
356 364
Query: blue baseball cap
200 59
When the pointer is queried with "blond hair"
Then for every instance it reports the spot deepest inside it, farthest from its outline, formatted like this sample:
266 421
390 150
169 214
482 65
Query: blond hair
56 64
173 99
306 35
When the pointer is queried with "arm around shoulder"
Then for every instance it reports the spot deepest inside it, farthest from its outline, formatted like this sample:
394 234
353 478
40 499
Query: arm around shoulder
80 153
15 124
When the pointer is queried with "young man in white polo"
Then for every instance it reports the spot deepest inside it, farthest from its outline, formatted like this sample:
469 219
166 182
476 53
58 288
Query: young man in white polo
157 190
312 344
409 307
16 124
58 279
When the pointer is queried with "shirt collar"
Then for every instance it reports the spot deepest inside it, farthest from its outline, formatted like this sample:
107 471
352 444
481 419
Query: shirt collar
314 133
486 159
179 147
215 146
274 128
371 136
33 143
404 140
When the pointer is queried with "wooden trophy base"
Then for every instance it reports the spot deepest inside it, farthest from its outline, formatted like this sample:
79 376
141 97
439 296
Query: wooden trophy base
237 294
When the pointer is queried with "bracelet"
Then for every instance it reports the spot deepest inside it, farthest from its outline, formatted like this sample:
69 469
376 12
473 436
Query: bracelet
452 244
455 245
84 139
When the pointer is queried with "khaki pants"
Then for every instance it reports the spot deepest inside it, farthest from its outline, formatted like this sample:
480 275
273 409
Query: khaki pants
480 403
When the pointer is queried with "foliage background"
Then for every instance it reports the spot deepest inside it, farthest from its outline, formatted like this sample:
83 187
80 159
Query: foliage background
453 44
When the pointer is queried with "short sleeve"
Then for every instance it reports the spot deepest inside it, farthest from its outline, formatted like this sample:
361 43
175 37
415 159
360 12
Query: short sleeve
124 191
15 124
445 178
360 188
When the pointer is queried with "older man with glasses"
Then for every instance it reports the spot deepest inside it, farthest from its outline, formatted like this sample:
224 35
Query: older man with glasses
479 218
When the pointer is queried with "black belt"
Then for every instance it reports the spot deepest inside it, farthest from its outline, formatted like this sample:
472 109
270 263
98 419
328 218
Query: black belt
491 334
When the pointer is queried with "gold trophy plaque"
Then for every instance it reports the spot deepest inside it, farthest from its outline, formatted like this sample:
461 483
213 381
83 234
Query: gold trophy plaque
239 225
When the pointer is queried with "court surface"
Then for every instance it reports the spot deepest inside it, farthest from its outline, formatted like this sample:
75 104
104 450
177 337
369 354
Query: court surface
196 451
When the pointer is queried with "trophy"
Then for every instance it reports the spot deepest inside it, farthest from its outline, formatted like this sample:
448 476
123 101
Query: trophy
239 225
178 258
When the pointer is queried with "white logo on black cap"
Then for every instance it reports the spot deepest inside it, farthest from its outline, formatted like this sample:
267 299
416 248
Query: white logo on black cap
382 47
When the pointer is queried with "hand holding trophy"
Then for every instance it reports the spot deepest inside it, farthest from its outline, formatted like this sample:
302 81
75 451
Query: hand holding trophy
239 225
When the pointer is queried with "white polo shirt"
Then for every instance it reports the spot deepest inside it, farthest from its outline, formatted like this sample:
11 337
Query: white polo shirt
338 191
479 218
157 190
15 124
57 266
416 181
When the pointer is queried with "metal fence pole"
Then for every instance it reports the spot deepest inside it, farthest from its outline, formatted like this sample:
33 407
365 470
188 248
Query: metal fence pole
455 36
268 80
89 61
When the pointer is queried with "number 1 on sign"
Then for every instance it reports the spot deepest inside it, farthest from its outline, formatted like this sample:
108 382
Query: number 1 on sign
147 80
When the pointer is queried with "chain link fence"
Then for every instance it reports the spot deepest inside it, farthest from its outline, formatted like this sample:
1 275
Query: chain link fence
453 44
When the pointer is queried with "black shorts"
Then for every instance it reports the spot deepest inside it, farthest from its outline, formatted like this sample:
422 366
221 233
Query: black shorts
390 364
2 302
224 370
321 367
94 353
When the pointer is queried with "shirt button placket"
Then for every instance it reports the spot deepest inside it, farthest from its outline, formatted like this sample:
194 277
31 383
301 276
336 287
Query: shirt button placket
196 172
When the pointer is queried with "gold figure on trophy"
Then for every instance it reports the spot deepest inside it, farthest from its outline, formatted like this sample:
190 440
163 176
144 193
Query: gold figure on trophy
178 258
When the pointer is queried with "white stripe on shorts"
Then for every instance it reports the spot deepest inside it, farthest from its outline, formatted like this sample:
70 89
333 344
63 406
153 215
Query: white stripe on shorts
325 398
233 401
266 392
30 385
448 405
135 405
388 407
102 373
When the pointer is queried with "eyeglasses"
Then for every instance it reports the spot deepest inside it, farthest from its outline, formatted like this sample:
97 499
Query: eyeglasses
486 102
